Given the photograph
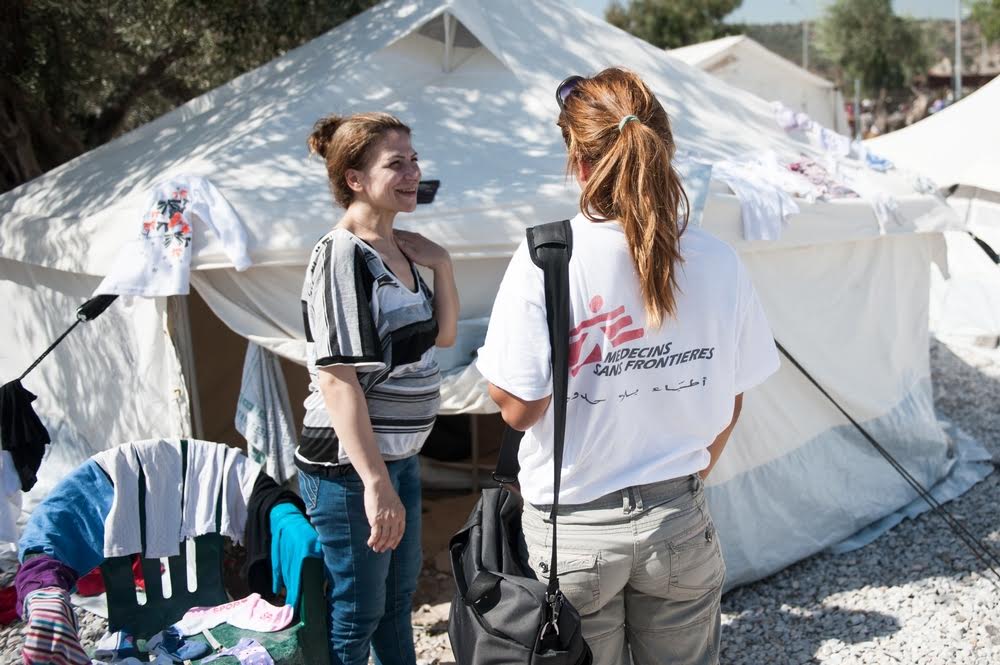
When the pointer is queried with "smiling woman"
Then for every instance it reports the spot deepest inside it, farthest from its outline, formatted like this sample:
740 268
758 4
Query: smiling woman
371 325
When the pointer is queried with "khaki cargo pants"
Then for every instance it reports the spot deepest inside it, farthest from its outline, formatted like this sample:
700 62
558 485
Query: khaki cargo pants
644 569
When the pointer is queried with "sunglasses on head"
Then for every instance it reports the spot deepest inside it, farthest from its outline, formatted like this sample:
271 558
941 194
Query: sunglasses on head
565 89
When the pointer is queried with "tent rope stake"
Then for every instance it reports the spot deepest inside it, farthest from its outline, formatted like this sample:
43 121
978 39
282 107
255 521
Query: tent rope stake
979 549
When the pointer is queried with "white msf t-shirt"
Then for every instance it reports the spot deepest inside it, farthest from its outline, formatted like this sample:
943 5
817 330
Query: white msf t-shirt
644 403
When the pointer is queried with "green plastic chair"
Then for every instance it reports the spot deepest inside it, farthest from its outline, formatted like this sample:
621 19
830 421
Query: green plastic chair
304 642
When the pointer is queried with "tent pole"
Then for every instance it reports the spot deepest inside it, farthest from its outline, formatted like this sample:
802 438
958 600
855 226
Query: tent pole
185 347
449 40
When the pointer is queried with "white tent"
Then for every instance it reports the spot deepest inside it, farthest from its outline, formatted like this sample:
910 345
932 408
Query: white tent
957 148
475 80
744 63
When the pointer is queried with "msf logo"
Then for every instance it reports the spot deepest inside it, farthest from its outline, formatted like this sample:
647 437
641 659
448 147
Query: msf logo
615 327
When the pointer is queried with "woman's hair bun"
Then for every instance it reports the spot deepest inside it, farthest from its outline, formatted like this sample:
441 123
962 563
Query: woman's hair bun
322 134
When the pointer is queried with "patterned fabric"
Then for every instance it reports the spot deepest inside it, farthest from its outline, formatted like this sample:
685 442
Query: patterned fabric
247 651
357 313
50 636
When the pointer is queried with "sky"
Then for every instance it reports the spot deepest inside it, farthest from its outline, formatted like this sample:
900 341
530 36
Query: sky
793 11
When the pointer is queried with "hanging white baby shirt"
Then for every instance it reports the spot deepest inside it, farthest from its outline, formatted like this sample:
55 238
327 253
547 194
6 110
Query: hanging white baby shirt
158 261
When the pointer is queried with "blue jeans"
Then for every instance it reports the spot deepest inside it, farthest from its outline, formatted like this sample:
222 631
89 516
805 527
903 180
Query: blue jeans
370 594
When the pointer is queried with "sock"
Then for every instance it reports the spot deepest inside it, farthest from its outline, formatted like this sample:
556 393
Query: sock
170 644
247 651
51 636
261 616
115 646
250 613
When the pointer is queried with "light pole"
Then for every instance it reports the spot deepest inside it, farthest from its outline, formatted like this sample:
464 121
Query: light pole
957 69
805 44
805 34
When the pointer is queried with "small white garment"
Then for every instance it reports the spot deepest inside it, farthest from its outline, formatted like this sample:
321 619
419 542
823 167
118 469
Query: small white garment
239 473
789 119
10 502
763 205
160 460
858 150
121 526
202 484
829 141
264 414
158 261
859 179
784 116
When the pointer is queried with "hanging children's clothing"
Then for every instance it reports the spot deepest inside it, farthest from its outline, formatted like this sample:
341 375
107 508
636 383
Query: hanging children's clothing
22 433
157 262
202 484
828 186
239 473
264 414
161 462
763 205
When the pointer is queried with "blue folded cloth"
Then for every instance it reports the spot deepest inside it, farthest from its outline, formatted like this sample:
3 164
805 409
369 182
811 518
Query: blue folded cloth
68 524
293 539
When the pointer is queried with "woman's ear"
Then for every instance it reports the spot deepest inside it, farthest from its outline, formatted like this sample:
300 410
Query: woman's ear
583 170
353 179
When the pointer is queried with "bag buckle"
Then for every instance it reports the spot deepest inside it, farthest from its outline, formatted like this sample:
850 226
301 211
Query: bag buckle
555 602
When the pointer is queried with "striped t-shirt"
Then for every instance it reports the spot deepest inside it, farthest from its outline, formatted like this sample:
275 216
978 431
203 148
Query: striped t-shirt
357 313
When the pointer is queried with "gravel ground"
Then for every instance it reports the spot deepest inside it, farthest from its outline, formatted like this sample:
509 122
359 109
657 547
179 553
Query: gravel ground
915 596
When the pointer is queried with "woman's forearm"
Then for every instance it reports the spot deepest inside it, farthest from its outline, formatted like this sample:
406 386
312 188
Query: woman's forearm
717 446
445 304
345 402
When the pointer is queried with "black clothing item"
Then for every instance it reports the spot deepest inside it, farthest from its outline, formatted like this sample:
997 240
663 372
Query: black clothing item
22 433
266 494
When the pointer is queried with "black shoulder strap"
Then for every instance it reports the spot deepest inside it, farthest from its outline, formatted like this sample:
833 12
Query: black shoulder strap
550 247
554 237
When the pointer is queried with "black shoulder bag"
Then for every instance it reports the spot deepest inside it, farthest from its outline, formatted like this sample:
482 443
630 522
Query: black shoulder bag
500 614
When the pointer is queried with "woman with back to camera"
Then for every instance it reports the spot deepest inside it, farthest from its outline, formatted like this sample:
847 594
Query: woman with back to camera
666 334
371 328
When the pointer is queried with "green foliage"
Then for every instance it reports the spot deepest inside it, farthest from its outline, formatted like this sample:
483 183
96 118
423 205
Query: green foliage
869 42
74 74
673 23
987 14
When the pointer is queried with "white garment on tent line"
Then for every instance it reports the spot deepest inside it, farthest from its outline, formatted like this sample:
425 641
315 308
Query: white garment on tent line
763 206
202 484
859 178
829 141
158 261
10 502
121 527
160 460
239 474
264 414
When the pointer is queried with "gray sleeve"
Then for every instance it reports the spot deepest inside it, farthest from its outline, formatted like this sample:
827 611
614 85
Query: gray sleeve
338 308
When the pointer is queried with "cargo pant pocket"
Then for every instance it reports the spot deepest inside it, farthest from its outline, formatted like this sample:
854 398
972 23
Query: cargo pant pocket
579 576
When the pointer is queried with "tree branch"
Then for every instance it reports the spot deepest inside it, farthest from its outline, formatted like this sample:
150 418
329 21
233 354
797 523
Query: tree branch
111 118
